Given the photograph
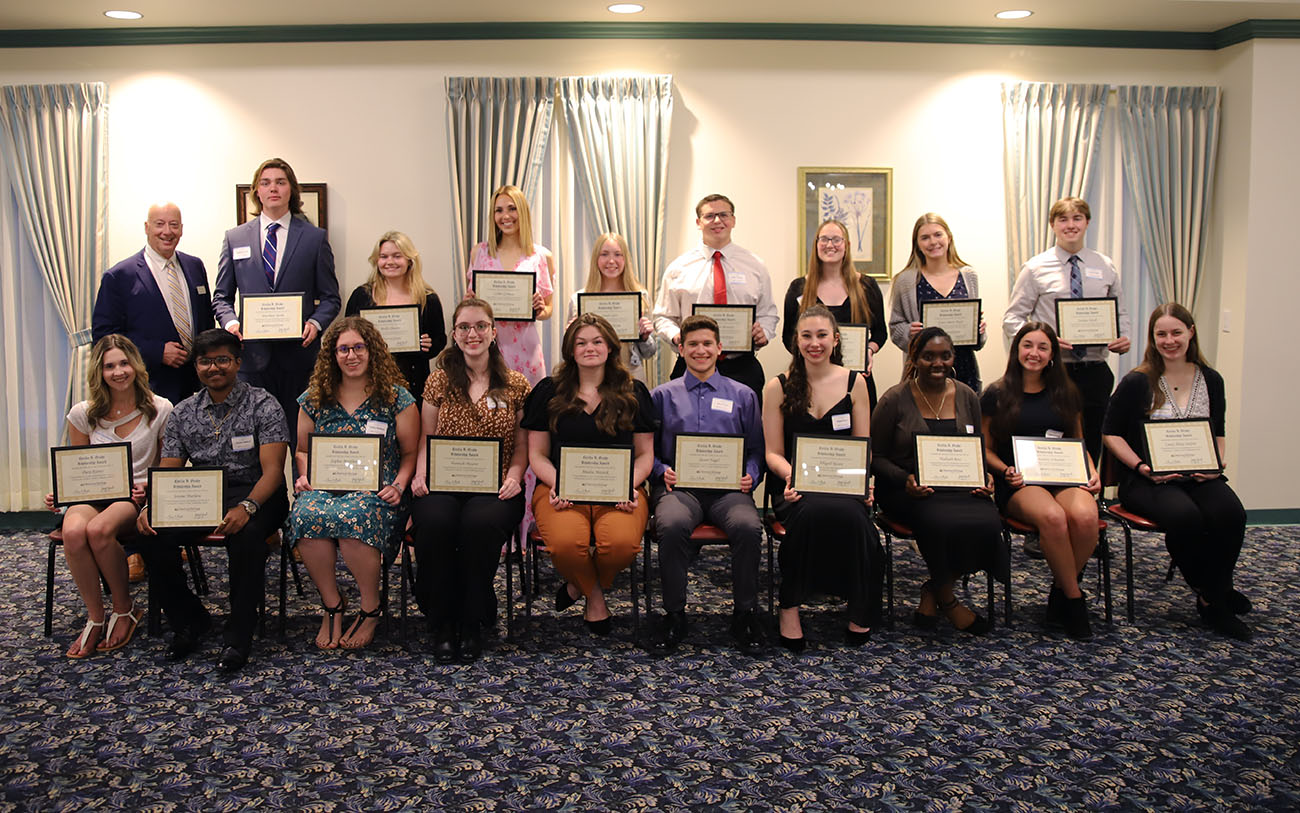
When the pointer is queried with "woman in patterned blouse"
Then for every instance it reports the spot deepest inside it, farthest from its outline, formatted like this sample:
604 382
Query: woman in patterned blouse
458 537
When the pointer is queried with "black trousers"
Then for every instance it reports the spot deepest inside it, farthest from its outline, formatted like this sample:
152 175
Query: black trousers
742 367
1095 382
285 380
458 541
832 546
1205 525
678 512
247 551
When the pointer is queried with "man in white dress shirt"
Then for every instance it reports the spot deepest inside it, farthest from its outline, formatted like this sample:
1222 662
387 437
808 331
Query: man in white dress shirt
718 272
1070 271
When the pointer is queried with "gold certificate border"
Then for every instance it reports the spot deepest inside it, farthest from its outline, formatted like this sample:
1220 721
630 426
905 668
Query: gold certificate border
858 443
413 319
216 478
317 438
635 334
610 497
501 313
738 441
865 331
1156 463
973 336
705 309
923 479
61 455
1064 304
431 441
1077 443
249 336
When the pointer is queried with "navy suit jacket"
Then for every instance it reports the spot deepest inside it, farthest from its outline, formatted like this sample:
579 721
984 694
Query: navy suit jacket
307 267
130 303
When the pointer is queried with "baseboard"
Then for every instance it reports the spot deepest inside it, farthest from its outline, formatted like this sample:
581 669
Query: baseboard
27 521
1273 516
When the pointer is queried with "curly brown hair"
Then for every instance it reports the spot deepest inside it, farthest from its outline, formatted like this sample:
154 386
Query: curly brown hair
383 371
618 402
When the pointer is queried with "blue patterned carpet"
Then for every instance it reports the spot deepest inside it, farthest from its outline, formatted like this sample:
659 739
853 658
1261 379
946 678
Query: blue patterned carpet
1162 715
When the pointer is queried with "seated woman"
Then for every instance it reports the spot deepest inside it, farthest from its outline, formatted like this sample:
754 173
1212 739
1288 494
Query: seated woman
958 532
458 537
591 400
830 544
355 389
396 278
1036 398
611 272
1204 522
121 409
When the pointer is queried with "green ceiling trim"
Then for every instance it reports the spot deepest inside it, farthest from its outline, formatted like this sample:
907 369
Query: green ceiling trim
975 35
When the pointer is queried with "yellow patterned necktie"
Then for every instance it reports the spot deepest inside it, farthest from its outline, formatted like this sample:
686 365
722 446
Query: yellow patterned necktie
180 310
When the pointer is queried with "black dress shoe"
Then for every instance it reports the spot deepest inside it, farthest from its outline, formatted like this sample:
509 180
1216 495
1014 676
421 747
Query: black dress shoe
470 646
563 600
232 659
1238 604
602 627
748 632
1077 625
795 645
670 633
444 644
187 639
1223 621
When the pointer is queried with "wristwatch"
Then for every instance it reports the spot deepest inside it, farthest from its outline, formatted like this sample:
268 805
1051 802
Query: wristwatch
249 506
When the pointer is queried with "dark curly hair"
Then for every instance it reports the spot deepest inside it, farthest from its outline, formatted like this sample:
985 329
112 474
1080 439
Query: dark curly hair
617 394
383 371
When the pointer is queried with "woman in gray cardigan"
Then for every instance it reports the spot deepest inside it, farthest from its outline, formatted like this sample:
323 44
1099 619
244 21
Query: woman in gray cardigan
934 271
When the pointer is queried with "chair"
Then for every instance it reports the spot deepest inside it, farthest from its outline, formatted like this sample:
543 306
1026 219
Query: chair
705 534
55 542
1011 525
1128 520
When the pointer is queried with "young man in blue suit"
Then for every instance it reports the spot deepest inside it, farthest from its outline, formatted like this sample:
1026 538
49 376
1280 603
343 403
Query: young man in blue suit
279 251
158 298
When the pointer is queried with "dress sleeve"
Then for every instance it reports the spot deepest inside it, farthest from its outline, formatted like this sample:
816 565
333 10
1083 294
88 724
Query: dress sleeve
536 416
433 325
791 312
359 299
403 400
884 423
1214 387
77 417
435 387
1127 407
645 409
876 303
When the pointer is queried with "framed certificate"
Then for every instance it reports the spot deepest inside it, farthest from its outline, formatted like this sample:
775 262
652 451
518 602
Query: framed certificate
398 324
595 474
950 461
1051 461
622 310
831 464
1181 447
1088 321
463 465
337 462
853 346
272 317
96 473
510 293
959 318
709 462
735 323
190 499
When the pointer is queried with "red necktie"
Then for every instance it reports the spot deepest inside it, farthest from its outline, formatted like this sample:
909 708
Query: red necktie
719 280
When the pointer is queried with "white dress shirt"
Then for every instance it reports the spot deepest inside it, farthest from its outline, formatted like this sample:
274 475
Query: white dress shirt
158 267
1045 278
281 237
689 280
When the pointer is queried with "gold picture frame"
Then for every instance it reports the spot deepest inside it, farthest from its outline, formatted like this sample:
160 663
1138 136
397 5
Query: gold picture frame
862 198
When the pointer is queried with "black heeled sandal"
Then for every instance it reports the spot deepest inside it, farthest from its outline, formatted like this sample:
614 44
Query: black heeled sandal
331 612
920 620
979 626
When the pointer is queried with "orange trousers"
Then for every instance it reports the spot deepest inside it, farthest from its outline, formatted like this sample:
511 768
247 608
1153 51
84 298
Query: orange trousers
590 544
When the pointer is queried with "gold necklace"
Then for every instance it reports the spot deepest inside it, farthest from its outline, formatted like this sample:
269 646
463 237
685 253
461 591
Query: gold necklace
216 425
942 400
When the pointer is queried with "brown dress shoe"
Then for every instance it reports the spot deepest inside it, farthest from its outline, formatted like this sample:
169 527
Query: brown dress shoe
135 568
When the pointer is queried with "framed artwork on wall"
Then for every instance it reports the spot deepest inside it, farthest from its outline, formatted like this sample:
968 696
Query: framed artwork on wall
314 204
859 197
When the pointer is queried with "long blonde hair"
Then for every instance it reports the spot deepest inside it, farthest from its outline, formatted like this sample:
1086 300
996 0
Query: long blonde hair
377 284
100 397
525 219
595 279
917 259
859 310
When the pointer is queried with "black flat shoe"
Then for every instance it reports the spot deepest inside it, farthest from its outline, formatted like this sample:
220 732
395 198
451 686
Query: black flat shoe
563 600
444 644
1223 621
232 659
856 638
471 644
925 622
747 630
795 645
1077 625
979 626
187 639
1238 604
601 627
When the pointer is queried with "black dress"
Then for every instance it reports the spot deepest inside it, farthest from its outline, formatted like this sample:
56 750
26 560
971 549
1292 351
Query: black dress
414 366
843 313
831 544
1037 418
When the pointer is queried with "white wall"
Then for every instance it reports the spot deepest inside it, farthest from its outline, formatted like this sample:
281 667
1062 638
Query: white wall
369 119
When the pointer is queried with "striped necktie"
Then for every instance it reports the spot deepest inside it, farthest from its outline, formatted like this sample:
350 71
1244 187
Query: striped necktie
176 303
1076 292
268 254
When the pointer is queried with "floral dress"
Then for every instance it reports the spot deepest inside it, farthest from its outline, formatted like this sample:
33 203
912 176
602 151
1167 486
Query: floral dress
355 514
520 342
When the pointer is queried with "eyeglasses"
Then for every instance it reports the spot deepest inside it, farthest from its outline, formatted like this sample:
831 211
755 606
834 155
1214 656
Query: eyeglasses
478 327
830 240
349 349
715 216
219 361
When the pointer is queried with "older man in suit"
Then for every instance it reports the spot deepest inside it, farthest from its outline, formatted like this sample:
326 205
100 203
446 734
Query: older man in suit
158 298
279 251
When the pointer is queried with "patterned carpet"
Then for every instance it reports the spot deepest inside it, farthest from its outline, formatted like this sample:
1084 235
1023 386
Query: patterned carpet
1161 715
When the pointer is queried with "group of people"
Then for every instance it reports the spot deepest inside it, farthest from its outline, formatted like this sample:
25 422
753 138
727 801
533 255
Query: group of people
247 407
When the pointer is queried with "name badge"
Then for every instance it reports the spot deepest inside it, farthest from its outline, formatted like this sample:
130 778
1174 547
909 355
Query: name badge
841 421
496 403
242 252
203 290
1094 273
1055 433
722 405
376 427
735 277
241 443
970 430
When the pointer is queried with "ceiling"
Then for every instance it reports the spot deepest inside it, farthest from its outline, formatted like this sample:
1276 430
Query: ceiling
1150 15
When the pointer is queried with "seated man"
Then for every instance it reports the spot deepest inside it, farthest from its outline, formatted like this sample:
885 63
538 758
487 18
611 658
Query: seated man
240 428
705 401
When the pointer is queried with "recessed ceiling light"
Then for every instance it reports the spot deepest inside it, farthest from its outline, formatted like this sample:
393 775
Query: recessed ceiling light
1013 14
627 8
123 15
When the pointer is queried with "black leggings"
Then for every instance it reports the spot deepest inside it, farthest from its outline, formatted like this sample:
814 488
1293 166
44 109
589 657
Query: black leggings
458 541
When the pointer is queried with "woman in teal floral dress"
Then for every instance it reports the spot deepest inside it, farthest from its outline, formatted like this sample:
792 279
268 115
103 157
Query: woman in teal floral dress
356 388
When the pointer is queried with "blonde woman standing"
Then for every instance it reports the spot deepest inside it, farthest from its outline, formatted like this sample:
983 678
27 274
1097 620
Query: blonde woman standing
611 272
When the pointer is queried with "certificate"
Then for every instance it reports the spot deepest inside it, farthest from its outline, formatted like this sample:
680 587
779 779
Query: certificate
853 347
187 499
1088 321
950 461
463 465
1181 447
398 324
622 310
959 318
343 462
735 323
595 474
510 293
831 464
1050 461
710 462
272 317
95 473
